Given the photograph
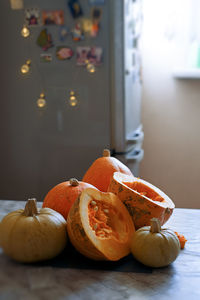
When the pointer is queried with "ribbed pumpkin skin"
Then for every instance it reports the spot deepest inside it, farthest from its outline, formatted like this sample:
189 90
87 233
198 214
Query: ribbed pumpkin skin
101 171
140 208
62 196
35 238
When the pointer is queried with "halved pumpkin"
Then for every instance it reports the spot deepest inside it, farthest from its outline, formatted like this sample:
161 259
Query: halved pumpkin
143 200
99 226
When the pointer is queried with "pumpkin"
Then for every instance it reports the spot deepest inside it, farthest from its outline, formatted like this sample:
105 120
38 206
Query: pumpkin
155 246
62 196
99 226
142 199
100 172
32 235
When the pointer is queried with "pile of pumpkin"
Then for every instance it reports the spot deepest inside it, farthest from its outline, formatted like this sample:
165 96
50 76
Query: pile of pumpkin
107 215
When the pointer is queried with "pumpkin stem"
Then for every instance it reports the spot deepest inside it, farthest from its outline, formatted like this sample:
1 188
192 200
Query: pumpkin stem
106 153
73 182
155 225
30 209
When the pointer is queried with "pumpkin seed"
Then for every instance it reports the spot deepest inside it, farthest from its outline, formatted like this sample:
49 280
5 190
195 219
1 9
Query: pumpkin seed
106 210
96 208
93 202
95 226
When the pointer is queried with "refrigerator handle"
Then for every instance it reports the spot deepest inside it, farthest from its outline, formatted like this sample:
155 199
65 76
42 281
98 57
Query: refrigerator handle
137 136
135 156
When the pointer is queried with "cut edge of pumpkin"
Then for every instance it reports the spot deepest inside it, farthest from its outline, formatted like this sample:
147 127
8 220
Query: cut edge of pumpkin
127 181
107 246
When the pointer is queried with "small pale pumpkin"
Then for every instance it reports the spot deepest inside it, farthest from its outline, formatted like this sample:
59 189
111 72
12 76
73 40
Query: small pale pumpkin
99 226
62 196
155 247
32 235
143 200
100 172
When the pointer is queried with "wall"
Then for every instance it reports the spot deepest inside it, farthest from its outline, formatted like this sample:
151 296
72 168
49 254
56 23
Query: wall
170 111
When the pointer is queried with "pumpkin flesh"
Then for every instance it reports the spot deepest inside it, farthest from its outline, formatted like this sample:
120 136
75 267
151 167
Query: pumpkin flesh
104 224
143 200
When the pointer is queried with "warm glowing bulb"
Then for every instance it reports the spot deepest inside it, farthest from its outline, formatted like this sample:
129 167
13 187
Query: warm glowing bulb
72 98
26 67
73 102
41 102
90 68
25 32
72 93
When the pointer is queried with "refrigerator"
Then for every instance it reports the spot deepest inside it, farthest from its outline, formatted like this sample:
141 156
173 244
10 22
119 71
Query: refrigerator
43 146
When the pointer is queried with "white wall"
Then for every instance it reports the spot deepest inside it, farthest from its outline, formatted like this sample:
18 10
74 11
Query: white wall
170 107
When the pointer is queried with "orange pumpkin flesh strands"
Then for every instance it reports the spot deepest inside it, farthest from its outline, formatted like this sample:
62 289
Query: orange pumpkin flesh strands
182 239
100 172
99 226
62 196
143 200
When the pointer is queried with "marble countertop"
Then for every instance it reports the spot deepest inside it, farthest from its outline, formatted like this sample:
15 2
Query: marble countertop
180 280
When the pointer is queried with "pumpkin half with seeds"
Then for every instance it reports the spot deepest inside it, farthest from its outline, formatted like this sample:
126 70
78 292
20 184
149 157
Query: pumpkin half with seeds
143 200
99 226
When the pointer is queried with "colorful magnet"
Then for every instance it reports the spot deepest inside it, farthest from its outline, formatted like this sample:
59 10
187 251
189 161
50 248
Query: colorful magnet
17 4
94 30
96 14
63 33
53 17
44 40
32 16
77 33
75 8
87 25
45 57
63 52
85 55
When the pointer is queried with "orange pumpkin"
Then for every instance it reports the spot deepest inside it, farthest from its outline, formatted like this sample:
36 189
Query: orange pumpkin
62 196
143 200
99 226
100 172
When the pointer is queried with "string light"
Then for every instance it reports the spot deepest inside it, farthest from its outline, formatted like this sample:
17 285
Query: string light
72 99
25 32
90 67
25 68
41 102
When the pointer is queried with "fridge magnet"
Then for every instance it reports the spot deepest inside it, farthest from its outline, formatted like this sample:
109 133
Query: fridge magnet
17 4
94 30
45 57
87 25
63 33
96 14
75 8
32 16
63 53
77 33
96 2
44 40
53 17
92 55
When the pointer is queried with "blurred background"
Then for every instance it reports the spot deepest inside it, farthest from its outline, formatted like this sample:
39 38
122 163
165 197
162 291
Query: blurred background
81 76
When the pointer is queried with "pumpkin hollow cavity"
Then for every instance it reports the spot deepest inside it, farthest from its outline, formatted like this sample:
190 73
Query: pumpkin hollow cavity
106 221
144 190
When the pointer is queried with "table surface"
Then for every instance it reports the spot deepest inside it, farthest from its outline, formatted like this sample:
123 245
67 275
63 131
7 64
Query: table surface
180 280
